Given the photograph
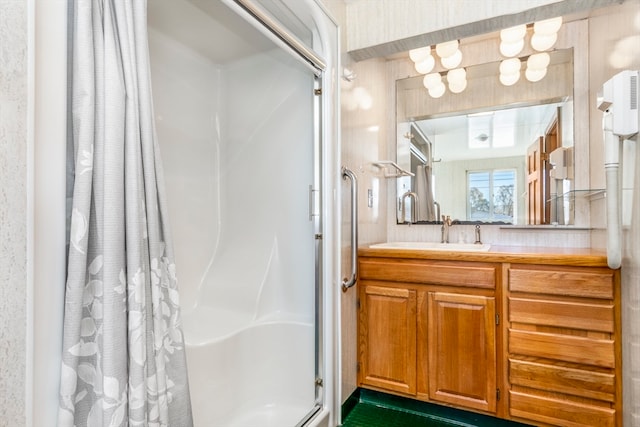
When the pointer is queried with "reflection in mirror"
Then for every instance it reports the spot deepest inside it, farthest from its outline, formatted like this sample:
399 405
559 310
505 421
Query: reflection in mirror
492 154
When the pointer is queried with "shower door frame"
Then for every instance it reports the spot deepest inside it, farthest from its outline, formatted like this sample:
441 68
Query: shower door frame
261 20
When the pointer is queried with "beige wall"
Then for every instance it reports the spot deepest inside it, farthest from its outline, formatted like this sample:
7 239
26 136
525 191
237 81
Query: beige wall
614 39
13 210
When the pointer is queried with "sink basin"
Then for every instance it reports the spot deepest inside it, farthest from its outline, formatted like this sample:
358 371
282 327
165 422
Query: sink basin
434 246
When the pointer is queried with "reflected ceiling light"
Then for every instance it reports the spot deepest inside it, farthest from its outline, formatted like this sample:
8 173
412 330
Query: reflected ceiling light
452 61
432 80
458 75
548 26
510 49
510 66
535 75
426 65
446 49
509 79
457 80
437 91
458 87
542 42
538 61
513 34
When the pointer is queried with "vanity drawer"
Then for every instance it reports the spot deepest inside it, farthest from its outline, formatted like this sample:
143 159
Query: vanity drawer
562 379
568 348
562 314
578 282
466 274
559 412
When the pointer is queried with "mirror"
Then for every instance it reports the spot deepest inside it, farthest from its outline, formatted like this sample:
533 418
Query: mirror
491 154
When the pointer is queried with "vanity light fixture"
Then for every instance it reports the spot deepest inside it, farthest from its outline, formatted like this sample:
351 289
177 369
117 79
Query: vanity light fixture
510 71
457 80
545 33
432 80
450 55
535 75
543 42
451 62
437 91
548 26
423 60
538 61
447 49
420 54
426 65
511 49
435 86
537 66
512 40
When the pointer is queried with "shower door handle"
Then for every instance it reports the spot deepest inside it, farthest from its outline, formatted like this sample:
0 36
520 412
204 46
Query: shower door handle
349 282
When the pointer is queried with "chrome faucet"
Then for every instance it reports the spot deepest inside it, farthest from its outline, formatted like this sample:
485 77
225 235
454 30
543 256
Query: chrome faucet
446 224
414 206
478 241
437 205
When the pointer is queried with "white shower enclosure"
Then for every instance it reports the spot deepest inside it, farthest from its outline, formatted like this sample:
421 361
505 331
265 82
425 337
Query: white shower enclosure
245 119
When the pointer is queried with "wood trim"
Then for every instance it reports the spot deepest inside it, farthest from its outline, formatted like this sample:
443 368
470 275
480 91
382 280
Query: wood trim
588 351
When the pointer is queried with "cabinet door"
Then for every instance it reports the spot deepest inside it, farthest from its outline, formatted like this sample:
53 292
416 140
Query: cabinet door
388 338
462 350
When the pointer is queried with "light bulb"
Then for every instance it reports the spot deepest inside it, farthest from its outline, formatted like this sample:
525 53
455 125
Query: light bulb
426 65
509 79
510 66
431 80
543 42
420 54
510 49
513 34
452 61
548 26
535 75
446 49
458 86
457 76
437 91
538 61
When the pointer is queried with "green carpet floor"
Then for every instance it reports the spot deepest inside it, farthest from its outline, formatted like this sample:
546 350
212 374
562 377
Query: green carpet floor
368 408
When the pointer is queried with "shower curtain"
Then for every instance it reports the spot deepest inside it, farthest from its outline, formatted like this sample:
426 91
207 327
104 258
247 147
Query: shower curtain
123 360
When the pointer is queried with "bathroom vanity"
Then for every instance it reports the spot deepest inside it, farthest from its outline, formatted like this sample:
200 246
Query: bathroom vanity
528 334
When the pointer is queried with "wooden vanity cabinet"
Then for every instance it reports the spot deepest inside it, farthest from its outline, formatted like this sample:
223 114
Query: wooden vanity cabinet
427 329
461 346
564 357
388 338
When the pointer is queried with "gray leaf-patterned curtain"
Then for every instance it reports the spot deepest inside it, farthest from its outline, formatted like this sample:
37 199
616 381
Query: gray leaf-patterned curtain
123 351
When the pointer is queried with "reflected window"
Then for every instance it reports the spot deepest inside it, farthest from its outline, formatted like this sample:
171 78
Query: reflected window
490 195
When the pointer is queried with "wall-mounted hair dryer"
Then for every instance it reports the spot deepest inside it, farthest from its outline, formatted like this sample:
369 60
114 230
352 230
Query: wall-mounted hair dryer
619 102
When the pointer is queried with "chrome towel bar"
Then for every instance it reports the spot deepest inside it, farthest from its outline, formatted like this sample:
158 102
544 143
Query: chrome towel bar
349 282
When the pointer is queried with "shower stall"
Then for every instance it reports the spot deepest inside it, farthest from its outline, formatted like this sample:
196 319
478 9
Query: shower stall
245 100
245 117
